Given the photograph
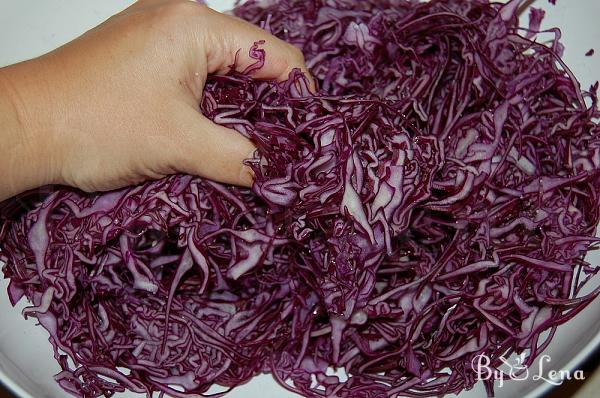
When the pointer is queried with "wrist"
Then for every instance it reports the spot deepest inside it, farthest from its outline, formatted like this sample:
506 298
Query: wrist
29 156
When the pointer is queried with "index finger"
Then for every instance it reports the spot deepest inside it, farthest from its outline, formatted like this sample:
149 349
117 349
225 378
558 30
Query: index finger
232 41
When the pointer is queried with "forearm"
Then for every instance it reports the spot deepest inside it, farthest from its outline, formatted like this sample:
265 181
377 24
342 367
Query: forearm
26 159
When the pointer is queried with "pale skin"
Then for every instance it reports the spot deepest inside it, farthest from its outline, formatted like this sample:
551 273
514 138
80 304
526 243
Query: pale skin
119 105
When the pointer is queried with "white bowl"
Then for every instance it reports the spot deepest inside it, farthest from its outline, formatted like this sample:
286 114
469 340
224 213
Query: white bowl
29 28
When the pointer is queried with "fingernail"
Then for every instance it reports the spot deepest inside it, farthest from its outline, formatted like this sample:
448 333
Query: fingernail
246 173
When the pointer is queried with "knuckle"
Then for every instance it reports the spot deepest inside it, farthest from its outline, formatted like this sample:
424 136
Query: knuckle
297 55
181 10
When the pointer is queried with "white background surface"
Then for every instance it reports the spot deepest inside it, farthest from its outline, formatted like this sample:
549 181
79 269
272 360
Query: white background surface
29 28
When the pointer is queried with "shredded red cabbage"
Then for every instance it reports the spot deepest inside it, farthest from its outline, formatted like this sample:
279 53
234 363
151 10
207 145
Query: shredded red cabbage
433 201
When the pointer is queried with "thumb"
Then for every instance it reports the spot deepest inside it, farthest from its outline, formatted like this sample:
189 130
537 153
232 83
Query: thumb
213 151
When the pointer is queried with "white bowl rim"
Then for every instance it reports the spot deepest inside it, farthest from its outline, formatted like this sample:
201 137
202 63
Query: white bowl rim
542 388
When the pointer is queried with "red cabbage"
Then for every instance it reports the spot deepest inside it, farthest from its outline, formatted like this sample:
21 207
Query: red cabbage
433 201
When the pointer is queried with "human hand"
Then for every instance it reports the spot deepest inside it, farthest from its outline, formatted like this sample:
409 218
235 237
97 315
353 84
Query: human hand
119 105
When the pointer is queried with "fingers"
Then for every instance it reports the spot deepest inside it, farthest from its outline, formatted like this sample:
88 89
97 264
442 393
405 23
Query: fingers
213 151
231 41
226 40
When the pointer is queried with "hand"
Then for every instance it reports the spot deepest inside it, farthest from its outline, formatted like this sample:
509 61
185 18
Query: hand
119 105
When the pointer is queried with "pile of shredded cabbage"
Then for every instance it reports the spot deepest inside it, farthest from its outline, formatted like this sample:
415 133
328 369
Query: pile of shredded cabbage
432 202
